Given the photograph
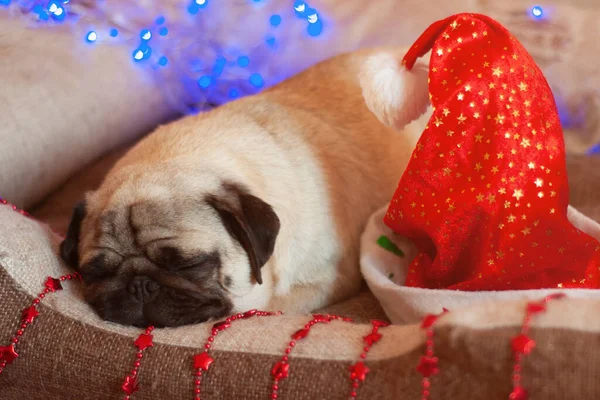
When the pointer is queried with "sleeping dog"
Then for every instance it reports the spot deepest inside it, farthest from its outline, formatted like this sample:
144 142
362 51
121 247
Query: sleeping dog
259 203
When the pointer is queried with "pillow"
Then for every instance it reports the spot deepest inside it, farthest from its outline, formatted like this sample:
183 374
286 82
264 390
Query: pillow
65 103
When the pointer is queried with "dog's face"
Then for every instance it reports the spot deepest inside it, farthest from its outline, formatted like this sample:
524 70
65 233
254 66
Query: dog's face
149 255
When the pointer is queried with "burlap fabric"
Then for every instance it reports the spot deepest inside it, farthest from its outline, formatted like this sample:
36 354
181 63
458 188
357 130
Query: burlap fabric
584 184
68 353
65 358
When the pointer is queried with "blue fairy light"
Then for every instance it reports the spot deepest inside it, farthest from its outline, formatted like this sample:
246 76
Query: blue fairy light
55 9
138 55
204 81
196 5
145 34
271 41
315 29
243 61
59 14
146 50
537 12
193 8
142 53
91 36
256 80
53 6
275 20
300 8
214 74
312 16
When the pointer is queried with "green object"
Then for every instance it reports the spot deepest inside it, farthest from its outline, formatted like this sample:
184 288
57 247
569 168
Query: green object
387 244
391 275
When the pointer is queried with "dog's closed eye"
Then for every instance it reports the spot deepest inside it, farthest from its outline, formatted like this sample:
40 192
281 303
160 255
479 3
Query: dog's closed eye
173 260
96 270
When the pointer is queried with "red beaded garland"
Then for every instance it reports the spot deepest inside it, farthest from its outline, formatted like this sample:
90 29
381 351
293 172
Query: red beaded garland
358 370
203 361
145 340
281 368
8 354
522 344
15 208
428 364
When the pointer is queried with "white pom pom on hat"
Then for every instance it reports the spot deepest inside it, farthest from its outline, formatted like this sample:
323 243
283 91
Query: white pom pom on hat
396 95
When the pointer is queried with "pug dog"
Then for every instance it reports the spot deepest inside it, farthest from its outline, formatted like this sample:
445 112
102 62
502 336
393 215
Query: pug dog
259 203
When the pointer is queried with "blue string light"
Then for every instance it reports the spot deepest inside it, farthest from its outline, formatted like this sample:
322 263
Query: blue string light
311 15
196 5
300 8
315 25
145 34
204 81
256 80
275 20
91 36
138 55
53 6
56 10
537 12
243 61
207 72
315 29
271 41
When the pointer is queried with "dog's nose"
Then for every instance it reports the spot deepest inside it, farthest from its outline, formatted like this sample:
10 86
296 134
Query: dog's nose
143 288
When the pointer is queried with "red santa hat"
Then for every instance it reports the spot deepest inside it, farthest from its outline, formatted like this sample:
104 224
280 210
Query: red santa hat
485 195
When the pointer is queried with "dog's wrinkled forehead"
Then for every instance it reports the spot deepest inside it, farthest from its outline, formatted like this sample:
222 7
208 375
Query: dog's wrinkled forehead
152 227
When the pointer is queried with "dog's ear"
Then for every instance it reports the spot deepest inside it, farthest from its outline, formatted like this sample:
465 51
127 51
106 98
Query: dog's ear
69 247
252 222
